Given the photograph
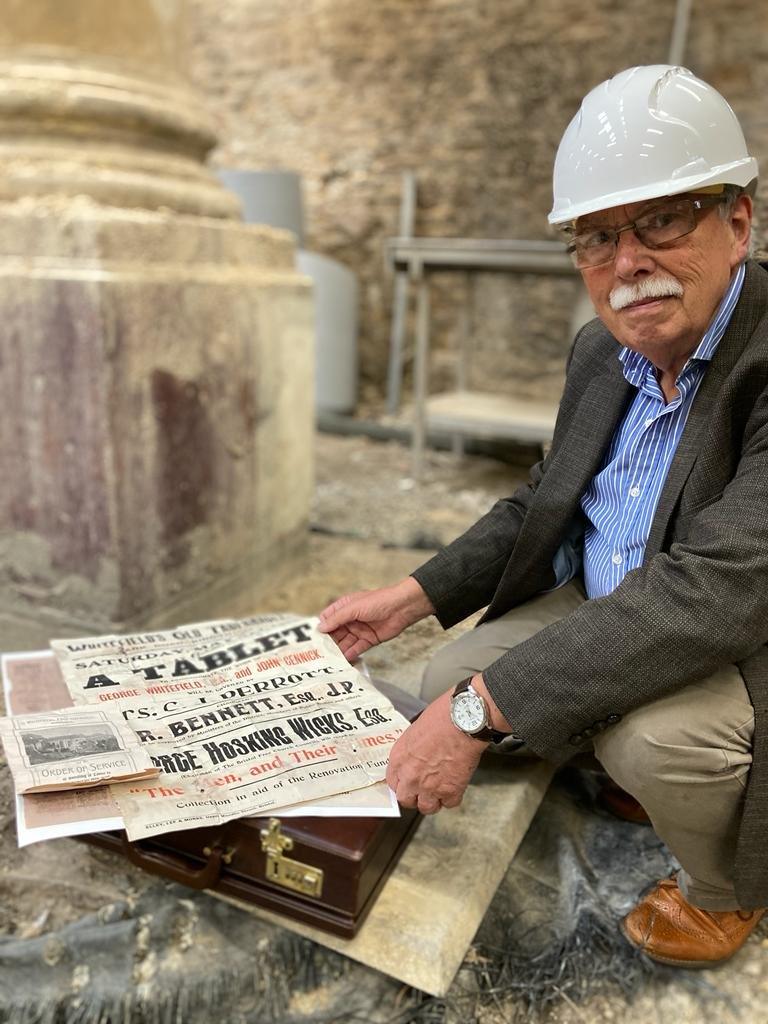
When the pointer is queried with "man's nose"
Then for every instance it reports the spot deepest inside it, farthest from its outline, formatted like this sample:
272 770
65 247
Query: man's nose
632 257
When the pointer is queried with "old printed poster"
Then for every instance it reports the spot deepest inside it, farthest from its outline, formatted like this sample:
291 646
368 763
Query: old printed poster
248 717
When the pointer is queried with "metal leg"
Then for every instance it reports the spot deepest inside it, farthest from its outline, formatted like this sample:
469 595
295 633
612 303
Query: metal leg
420 376
679 32
400 299
462 357
397 332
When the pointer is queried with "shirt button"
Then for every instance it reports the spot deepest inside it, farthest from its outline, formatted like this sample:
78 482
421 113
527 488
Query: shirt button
649 421
616 559
634 492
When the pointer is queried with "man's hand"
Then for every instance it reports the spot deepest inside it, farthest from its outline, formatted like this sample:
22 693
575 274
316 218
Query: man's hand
431 764
361 620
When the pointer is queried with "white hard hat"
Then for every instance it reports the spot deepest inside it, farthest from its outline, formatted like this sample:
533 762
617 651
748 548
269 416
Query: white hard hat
648 132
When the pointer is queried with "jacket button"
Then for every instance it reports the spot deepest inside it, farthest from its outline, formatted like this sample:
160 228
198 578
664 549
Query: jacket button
613 719
576 740
590 731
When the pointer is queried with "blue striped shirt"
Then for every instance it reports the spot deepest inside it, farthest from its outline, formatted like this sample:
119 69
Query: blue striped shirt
621 500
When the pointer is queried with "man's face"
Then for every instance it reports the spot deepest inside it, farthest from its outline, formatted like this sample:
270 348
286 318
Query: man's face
667 329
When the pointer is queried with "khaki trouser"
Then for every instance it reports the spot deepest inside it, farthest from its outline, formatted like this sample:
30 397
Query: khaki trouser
685 757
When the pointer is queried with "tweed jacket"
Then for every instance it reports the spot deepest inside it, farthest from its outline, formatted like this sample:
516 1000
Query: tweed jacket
700 599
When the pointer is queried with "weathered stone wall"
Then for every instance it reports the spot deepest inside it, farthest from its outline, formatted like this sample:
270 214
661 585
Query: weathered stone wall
473 94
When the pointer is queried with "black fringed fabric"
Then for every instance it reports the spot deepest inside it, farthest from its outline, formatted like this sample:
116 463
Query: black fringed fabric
550 938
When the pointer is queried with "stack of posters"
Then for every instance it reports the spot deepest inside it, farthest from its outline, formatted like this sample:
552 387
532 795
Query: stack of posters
239 718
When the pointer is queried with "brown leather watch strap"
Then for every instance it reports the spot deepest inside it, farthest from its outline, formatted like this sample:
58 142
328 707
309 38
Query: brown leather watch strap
487 733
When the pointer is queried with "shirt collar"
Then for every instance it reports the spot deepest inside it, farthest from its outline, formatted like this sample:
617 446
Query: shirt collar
636 365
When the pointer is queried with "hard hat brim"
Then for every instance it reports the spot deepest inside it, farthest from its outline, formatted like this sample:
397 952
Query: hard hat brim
740 173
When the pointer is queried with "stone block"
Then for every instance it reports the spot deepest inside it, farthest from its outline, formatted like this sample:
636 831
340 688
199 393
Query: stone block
157 415
429 909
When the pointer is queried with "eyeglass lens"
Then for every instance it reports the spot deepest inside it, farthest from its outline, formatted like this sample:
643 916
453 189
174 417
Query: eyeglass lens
655 227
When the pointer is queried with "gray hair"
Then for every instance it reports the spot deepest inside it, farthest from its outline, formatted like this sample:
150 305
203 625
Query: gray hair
725 209
731 193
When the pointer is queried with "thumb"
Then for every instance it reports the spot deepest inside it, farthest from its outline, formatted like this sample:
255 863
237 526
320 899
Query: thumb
338 613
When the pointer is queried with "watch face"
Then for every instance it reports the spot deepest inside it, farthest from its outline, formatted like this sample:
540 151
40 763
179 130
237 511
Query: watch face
468 712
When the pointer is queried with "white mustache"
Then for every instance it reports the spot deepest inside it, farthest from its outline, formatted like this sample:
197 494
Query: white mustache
657 287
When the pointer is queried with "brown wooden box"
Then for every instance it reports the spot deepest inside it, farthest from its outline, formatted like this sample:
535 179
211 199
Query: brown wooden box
355 855
323 871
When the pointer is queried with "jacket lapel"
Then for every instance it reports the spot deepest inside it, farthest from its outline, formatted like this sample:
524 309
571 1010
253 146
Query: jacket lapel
593 425
578 458
742 325
576 461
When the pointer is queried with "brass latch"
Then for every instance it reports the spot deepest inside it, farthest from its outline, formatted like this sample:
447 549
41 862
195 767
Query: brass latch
226 856
291 874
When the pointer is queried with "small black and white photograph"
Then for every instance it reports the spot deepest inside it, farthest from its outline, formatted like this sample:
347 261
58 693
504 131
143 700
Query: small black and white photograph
45 746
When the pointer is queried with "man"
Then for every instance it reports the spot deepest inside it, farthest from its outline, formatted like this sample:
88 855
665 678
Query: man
627 582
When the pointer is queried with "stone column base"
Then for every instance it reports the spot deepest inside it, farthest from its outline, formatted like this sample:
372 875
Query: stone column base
156 382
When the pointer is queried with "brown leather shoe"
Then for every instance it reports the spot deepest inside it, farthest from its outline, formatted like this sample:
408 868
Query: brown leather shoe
621 804
667 928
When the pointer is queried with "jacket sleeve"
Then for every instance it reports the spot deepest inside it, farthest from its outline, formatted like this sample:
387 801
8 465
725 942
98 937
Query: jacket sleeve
462 577
675 620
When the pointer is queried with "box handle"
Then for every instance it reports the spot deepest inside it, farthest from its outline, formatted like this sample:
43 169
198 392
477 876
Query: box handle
175 868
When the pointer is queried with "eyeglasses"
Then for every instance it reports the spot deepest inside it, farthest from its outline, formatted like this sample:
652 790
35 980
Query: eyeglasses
654 228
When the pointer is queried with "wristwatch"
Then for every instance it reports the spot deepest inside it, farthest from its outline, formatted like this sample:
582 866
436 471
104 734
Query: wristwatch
469 713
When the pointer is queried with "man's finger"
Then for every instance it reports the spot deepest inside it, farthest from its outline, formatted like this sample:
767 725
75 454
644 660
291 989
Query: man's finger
340 634
338 613
452 801
405 797
344 639
428 804
328 621
354 652
352 647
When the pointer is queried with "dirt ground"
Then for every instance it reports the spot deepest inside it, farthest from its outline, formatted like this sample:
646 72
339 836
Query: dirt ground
372 524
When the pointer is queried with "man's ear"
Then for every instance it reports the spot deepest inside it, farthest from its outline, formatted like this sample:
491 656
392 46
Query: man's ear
740 221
